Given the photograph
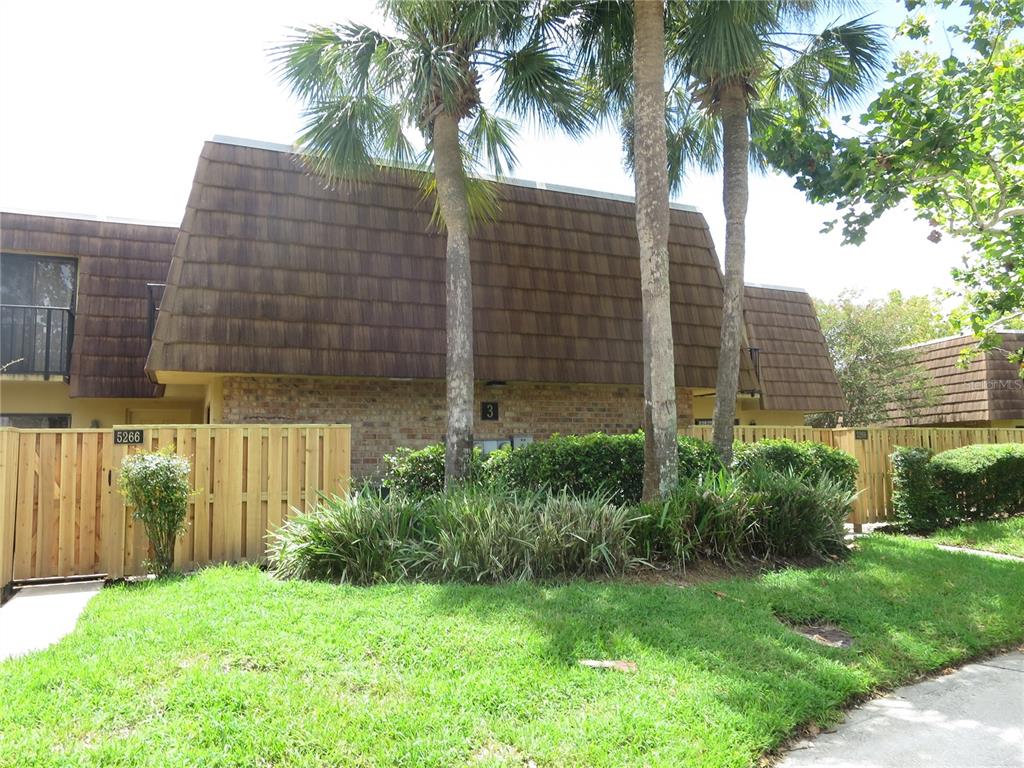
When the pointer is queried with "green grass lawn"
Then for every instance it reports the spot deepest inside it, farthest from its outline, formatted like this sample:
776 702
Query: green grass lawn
1006 536
229 668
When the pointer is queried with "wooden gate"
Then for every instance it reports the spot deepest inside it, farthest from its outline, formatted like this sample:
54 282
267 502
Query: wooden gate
62 514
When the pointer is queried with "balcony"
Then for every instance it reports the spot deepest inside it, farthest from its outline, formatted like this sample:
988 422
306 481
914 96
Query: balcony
36 341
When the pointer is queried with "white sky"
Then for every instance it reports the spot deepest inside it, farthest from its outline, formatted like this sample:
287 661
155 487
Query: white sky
106 105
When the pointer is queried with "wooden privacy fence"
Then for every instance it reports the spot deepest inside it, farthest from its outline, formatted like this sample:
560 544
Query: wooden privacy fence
872 448
62 514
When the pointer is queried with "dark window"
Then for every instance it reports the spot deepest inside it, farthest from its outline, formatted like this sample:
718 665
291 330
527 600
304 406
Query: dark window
37 281
37 294
36 420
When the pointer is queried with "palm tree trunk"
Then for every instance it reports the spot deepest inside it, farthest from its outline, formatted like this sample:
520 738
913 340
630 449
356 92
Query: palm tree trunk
451 197
650 151
735 160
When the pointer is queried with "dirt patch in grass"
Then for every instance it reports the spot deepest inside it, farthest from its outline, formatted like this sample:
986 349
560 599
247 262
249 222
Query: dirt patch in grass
824 634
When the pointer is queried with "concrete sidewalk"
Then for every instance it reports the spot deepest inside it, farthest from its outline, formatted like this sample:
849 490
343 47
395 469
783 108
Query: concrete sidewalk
39 616
971 718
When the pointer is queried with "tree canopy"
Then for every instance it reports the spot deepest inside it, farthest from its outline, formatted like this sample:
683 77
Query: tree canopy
867 342
944 134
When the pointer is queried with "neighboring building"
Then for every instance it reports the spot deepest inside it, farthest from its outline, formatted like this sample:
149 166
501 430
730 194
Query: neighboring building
74 327
287 302
988 392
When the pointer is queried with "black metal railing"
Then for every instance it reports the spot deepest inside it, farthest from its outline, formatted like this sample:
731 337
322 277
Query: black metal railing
755 358
36 340
156 295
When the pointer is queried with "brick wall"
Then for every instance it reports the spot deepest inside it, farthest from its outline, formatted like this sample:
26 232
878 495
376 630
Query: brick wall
385 414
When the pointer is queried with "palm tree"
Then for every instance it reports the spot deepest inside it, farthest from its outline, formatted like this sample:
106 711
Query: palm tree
364 90
620 49
739 58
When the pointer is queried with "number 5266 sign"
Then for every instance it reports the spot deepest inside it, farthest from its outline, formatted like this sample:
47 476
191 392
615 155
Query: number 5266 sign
128 437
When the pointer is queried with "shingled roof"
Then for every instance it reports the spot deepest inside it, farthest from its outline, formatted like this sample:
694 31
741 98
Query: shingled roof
989 388
274 274
796 370
115 261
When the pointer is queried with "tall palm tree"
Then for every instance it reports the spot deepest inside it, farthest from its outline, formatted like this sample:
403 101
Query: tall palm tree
364 90
620 50
739 58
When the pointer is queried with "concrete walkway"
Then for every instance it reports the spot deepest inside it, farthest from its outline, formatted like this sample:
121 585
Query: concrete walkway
39 616
973 717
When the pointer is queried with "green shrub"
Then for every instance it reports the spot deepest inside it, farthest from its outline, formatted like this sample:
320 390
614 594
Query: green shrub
361 539
980 481
591 464
970 483
794 514
156 485
421 472
706 517
915 501
472 533
808 459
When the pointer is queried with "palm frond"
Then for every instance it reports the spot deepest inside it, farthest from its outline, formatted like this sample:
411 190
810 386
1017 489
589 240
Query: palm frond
836 66
535 81
490 138
348 137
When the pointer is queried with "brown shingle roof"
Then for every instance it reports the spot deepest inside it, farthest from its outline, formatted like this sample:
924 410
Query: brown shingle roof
274 274
115 261
989 388
796 370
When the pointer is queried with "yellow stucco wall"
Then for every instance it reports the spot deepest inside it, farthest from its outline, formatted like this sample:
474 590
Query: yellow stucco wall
748 411
179 405
190 403
1007 423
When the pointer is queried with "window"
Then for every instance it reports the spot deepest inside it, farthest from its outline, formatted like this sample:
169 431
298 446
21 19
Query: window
37 281
37 294
36 420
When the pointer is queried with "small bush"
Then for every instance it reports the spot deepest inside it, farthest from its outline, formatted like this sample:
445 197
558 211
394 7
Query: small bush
915 500
421 472
591 464
796 515
706 517
808 459
156 485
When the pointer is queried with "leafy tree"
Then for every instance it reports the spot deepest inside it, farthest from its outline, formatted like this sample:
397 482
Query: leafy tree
867 341
944 134
739 59
364 91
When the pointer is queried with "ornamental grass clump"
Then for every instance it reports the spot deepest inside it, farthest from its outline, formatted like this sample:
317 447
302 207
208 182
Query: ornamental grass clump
494 535
360 539
469 533
156 485
796 514
706 517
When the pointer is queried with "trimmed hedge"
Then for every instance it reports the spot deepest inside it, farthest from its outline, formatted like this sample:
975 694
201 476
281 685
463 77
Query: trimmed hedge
970 483
421 472
609 464
814 461
591 464
914 497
